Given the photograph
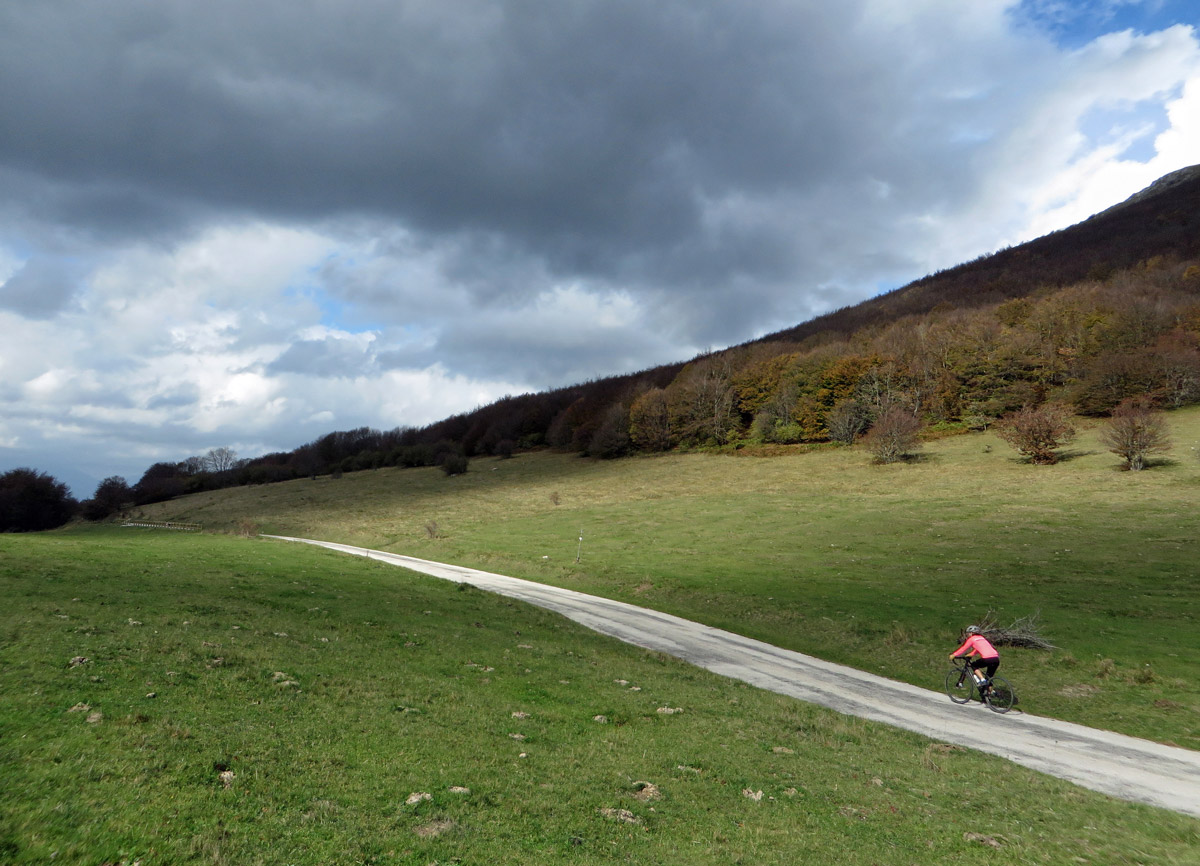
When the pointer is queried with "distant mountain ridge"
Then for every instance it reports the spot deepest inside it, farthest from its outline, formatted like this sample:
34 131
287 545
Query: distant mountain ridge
1161 220
1162 185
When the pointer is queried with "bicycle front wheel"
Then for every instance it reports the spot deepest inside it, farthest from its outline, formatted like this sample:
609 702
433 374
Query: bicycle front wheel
960 686
1000 697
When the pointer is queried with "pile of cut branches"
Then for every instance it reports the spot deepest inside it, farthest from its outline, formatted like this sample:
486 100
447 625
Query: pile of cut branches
1025 632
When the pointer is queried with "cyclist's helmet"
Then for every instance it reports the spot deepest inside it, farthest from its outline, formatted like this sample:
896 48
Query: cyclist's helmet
974 629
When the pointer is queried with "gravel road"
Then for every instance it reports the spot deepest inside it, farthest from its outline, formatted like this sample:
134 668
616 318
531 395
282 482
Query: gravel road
1114 764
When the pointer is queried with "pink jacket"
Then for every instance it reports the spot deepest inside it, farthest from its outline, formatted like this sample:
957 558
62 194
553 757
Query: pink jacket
976 644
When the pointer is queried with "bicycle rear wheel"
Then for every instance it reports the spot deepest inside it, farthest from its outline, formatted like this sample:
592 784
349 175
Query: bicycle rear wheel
1000 697
960 686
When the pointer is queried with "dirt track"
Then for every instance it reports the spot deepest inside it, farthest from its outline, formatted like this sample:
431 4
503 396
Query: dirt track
1114 764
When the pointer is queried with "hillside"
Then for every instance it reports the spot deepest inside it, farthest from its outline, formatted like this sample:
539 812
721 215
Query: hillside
1162 220
825 552
1089 316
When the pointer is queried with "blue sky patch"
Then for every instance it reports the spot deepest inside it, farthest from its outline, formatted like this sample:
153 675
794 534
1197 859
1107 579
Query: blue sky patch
1109 124
1073 23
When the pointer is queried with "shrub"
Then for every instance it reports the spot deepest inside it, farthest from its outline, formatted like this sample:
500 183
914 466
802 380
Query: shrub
894 435
1134 432
1038 431
454 464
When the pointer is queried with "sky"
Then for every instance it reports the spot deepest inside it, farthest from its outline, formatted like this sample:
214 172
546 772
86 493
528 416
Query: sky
245 225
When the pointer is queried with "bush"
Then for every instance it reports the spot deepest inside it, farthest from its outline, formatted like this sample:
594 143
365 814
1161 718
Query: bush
1134 432
454 464
894 435
1038 431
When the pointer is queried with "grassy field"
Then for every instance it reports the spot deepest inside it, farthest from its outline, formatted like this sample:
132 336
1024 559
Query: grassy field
823 552
175 698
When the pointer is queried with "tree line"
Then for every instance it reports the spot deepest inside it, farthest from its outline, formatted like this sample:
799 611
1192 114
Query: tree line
1089 348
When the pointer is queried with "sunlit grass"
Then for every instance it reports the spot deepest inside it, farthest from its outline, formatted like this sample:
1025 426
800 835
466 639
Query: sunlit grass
137 669
823 552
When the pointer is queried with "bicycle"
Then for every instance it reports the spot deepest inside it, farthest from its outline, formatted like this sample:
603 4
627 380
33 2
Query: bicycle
962 687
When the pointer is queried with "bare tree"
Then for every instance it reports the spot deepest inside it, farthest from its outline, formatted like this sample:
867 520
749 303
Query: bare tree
846 420
703 406
1038 431
894 435
220 459
1135 431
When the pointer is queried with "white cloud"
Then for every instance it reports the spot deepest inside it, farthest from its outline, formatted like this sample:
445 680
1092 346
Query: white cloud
1045 173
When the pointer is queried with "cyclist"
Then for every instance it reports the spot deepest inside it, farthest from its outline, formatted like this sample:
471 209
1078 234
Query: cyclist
987 657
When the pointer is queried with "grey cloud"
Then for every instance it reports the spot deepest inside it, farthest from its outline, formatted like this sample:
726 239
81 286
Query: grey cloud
329 358
40 289
544 353
587 136
175 398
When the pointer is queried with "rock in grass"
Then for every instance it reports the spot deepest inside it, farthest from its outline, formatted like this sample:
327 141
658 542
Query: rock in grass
982 839
646 791
622 815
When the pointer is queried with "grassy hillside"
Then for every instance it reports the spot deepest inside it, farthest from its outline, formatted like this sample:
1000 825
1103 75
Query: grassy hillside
172 698
820 551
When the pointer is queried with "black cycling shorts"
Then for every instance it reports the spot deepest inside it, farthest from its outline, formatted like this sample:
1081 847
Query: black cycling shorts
989 665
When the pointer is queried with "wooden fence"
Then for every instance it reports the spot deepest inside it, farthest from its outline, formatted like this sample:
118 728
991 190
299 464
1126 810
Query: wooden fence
167 524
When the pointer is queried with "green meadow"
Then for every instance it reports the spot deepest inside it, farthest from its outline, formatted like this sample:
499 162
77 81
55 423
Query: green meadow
823 552
208 698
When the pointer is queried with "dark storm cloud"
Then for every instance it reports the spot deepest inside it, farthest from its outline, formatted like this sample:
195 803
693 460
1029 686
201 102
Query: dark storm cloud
595 137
